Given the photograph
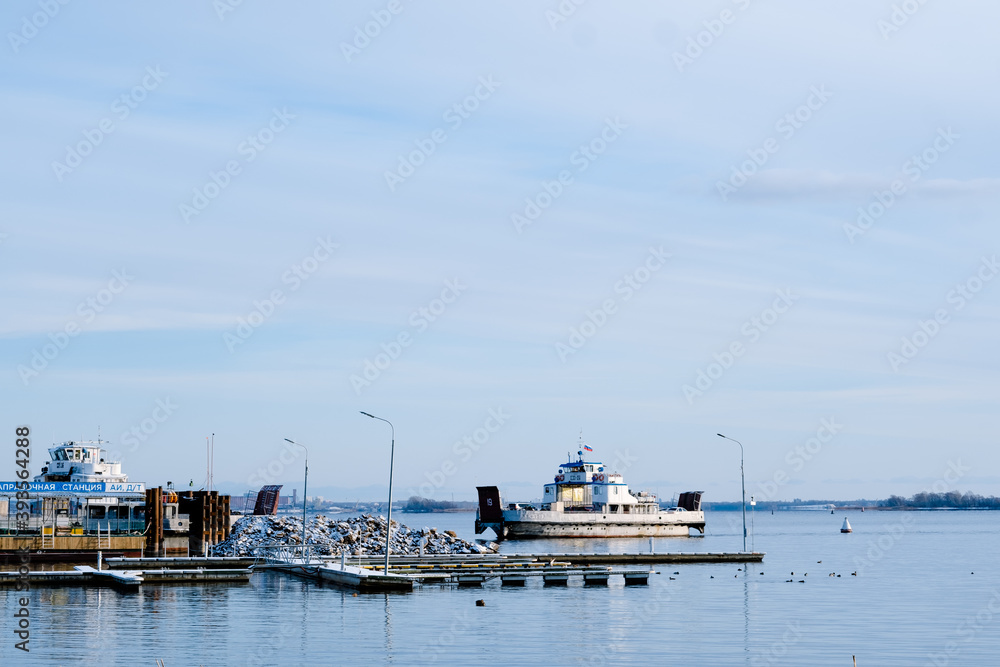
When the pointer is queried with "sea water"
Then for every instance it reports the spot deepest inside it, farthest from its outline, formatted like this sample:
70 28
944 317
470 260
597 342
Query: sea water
926 592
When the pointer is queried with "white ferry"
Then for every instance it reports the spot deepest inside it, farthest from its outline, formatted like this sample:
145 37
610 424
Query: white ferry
587 499
81 490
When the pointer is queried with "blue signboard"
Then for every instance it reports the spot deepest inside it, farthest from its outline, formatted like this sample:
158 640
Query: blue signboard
76 487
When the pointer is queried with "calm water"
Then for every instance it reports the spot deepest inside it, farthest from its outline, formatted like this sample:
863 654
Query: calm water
915 601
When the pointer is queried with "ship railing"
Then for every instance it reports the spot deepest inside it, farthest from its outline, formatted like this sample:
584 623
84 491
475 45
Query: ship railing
72 525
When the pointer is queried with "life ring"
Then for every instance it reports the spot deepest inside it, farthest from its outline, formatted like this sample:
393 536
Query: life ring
600 477
560 478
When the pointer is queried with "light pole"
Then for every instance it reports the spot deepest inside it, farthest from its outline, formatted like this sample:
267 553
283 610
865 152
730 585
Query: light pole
744 485
305 484
388 517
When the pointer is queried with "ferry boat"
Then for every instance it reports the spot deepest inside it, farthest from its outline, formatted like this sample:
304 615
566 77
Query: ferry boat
81 487
81 502
588 499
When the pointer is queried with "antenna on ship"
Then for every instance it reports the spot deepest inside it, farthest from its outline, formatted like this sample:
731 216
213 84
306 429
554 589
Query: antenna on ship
98 434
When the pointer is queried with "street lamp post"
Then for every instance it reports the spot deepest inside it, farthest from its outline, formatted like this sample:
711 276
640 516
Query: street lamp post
388 517
744 485
305 484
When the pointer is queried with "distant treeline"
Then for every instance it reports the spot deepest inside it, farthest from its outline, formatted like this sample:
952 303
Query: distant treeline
418 504
953 499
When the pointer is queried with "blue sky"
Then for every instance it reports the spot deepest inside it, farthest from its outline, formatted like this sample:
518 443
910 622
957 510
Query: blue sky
623 194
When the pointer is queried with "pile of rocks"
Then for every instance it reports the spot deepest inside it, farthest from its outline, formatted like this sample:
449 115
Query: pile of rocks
360 535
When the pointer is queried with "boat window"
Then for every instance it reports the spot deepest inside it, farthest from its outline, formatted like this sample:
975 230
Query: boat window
614 508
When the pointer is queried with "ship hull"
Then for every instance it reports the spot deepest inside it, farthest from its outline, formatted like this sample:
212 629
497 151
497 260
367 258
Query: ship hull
526 525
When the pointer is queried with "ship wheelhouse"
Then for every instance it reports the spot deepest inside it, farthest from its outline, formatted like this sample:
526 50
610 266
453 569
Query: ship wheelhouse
588 486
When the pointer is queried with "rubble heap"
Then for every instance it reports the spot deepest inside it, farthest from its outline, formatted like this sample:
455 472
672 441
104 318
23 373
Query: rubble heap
357 536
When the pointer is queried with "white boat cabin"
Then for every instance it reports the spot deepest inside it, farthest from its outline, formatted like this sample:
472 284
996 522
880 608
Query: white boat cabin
588 486
80 462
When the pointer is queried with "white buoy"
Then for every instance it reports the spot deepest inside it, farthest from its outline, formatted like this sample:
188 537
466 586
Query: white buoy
846 528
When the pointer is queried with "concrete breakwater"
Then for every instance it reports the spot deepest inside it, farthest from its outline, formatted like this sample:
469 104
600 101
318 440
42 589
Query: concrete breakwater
361 535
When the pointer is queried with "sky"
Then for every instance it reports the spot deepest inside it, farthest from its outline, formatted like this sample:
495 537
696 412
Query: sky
499 226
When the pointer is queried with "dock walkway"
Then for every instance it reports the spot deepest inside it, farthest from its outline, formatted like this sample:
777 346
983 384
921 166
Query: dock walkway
131 579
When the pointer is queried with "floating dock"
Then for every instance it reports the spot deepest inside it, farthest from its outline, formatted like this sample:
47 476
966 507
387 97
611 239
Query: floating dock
366 573
85 575
199 562
674 558
403 576
651 558
351 576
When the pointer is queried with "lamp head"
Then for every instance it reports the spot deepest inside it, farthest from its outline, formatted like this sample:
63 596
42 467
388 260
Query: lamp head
367 414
